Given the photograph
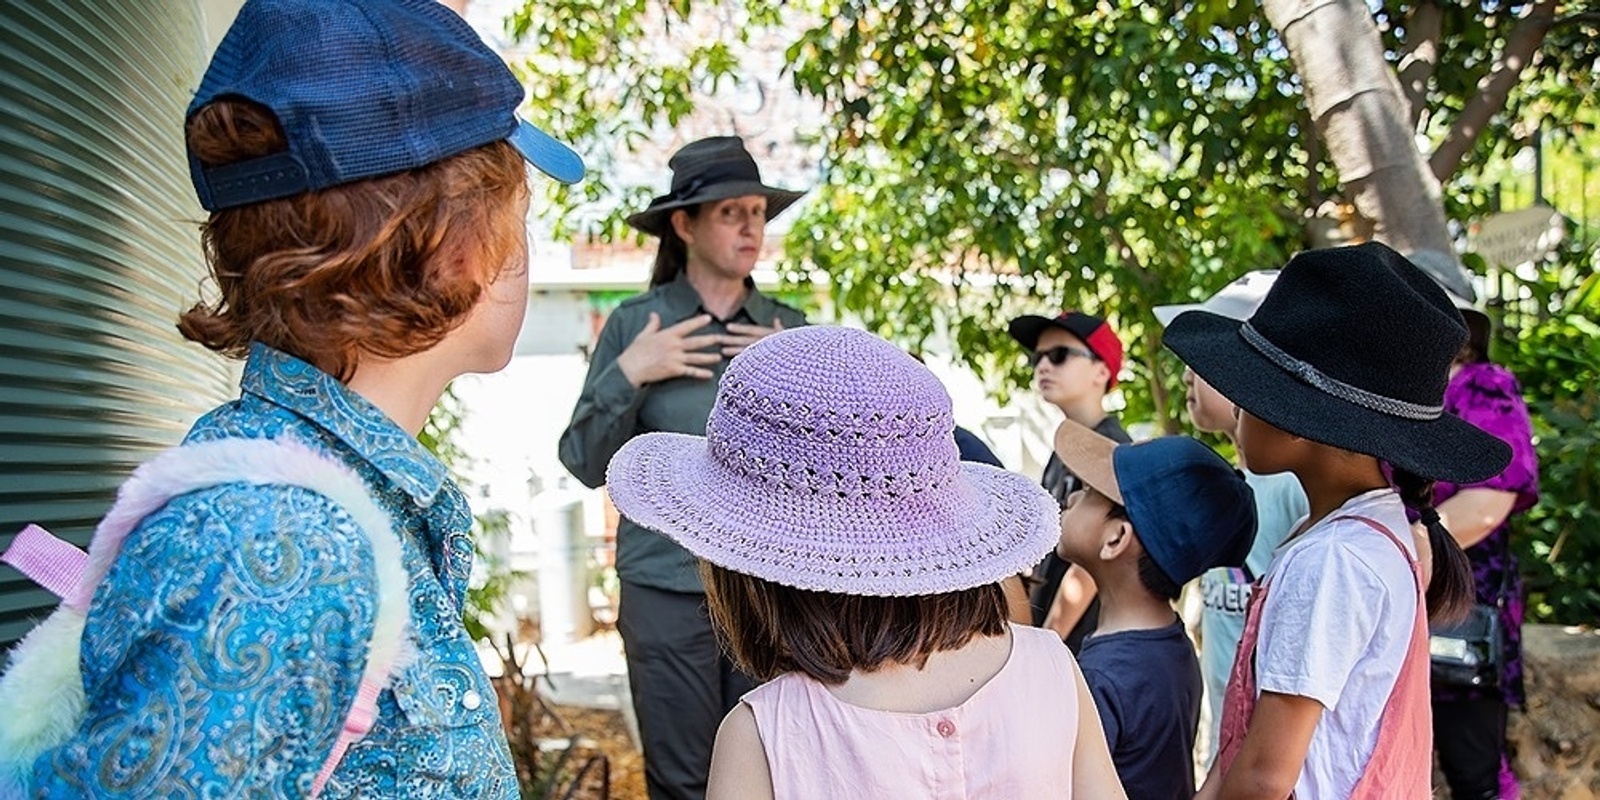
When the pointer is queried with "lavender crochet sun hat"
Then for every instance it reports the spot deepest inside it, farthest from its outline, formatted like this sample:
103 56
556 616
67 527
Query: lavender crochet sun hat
829 464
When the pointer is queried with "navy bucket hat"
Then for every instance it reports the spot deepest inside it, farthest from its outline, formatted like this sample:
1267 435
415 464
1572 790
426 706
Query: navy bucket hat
1191 510
362 89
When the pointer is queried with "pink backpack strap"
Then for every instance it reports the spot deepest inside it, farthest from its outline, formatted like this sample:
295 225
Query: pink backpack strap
46 560
363 715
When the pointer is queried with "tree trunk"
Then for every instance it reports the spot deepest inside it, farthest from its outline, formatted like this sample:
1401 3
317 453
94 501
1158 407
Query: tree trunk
1363 118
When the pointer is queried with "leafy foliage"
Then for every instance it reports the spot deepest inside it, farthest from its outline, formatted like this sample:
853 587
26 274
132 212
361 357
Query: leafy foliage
1557 359
992 157
1557 95
438 432
492 577
612 75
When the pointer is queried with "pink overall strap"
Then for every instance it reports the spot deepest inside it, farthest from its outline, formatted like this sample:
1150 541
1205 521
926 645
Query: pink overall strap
46 560
1401 727
1239 701
363 714
1402 759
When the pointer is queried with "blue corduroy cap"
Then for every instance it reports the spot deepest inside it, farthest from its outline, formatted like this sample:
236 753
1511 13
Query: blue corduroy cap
362 88
1190 509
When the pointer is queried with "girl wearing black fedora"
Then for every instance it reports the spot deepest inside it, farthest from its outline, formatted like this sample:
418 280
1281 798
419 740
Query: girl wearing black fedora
655 368
1340 375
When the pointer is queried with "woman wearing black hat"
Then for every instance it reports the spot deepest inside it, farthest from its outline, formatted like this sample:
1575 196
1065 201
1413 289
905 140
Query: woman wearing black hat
655 368
1340 372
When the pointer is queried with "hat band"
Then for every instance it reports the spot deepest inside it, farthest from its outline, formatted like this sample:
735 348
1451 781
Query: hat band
736 172
1344 391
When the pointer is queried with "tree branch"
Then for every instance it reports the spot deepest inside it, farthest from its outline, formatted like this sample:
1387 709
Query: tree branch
1119 242
1493 89
1420 56
1578 16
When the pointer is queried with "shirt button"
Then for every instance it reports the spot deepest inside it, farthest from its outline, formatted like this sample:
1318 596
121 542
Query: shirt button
946 728
471 700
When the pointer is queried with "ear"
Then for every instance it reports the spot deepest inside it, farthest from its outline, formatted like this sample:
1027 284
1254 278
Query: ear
1102 373
680 226
1116 539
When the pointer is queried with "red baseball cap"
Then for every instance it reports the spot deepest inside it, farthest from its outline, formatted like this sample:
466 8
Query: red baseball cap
1095 332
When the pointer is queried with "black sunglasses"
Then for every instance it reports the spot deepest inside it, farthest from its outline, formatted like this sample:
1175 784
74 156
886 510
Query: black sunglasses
1058 355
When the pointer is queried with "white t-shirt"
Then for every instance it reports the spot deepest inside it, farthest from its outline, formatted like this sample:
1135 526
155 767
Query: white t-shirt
1341 602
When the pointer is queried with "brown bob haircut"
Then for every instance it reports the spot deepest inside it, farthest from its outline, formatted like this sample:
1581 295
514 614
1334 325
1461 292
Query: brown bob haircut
771 629
386 266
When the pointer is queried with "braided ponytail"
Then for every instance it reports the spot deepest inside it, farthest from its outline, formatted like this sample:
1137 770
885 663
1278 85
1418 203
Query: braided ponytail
1450 590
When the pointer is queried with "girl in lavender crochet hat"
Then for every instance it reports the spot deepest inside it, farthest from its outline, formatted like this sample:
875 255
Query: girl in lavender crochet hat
853 562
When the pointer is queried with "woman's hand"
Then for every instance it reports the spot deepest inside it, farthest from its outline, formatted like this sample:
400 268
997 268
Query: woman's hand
661 354
742 336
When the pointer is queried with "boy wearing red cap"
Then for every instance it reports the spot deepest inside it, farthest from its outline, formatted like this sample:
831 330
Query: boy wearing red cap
1075 357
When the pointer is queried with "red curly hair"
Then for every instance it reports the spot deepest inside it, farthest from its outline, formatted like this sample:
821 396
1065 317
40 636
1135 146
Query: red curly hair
386 266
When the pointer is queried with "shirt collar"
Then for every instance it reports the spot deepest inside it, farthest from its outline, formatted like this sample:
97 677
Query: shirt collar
683 301
288 382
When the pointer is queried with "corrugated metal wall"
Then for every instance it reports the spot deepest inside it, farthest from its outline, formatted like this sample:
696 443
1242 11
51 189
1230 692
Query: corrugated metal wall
98 254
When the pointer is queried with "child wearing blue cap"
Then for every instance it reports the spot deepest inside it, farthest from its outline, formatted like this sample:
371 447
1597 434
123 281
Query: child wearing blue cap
1150 517
297 631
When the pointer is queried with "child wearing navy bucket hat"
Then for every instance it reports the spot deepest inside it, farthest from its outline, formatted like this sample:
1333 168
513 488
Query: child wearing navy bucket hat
1339 375
273 609
853 561
1149 518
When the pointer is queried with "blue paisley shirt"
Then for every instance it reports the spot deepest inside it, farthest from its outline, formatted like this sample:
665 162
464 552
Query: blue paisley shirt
226 644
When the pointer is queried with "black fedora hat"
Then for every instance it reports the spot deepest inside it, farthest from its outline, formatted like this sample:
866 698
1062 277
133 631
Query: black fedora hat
705 171
1351 348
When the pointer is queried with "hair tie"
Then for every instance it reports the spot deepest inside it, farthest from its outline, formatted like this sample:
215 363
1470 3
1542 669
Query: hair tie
1429 516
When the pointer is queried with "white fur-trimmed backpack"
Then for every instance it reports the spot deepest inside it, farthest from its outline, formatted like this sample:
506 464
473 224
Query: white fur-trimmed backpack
42 698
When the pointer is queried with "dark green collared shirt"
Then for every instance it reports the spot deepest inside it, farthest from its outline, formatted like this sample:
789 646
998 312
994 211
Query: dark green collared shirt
611 411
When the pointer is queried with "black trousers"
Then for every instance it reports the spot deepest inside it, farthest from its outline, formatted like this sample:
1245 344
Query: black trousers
1470 736
682 684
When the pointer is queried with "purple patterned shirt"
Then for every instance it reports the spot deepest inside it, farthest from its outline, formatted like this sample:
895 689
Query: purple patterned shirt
1488 396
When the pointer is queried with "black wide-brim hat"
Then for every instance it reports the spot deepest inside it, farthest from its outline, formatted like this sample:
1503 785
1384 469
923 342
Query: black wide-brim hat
1351 348
705 171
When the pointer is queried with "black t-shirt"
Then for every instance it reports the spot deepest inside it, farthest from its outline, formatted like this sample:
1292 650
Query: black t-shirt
975 449
1146 684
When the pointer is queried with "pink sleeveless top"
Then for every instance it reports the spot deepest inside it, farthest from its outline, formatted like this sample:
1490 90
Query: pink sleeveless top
1013 738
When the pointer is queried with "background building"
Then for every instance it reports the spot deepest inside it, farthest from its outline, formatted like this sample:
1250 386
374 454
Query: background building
98 253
